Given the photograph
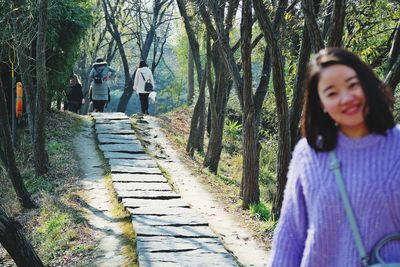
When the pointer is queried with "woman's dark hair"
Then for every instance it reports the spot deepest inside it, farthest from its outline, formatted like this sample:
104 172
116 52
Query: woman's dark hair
317 126
142 64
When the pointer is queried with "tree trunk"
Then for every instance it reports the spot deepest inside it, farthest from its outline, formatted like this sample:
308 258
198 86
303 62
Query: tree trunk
26 63
14 241
250 186
339 13
218 101
41 161
9 157
190 94
313 30
197 125
284 142
393 77
298 93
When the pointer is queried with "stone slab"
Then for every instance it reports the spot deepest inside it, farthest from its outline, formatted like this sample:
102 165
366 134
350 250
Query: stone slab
111 121
128 169
118 136
170 243
137 178
164 203
169 220
160 211
115 131
133 163
113 126
123 155
105 140
186 259
147 194
121 186
129 148
109 115
176 231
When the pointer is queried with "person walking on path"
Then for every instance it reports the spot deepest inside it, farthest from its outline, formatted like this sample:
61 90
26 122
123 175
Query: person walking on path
143 75
75 95
99 89
347 113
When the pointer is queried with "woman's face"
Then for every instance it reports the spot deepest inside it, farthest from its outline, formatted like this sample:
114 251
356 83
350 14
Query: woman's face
343 98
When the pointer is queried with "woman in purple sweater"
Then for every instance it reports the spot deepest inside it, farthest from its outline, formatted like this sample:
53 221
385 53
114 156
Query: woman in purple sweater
347 109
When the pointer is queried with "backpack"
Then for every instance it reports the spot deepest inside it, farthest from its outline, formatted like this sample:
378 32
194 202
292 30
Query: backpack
98 77
148 86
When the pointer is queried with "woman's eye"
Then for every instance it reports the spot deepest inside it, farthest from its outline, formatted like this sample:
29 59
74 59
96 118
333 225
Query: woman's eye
331 94
354 85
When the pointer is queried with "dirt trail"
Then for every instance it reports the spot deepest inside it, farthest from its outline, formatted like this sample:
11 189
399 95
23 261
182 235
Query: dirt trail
235 237
108 229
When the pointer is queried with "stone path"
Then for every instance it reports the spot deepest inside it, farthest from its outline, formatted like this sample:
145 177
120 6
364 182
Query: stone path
169 232
98 209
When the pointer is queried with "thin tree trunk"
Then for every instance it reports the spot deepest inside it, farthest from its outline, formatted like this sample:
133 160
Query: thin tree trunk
14 241
393 77
298 93
339 14
9 157
313 30
284 142
190 94
41 161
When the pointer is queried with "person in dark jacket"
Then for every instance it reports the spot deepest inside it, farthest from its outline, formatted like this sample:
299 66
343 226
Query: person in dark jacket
75 95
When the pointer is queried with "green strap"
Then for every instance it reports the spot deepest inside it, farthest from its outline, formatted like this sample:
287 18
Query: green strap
335 167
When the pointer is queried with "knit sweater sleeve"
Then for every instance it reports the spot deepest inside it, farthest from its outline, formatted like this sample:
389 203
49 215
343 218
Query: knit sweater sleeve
291 231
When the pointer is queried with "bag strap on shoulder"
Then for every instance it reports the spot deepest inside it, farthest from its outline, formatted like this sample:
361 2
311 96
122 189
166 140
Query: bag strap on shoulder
143 76
335 167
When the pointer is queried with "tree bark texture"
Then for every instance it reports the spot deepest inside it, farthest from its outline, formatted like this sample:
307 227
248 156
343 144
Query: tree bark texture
284 142
9 157
250 185
298 94
14 241
219 94
395 47
190 94
313 30
393 77
337 20
220 37
41 161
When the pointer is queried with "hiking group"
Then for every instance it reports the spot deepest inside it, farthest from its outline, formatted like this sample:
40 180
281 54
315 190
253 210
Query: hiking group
99 92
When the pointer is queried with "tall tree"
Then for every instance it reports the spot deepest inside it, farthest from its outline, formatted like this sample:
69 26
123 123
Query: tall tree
197 124
219 91
41 160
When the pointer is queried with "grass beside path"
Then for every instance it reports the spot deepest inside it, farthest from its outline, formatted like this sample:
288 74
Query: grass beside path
57 228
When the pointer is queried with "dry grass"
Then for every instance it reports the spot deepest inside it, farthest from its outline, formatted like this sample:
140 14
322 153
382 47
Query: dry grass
56 229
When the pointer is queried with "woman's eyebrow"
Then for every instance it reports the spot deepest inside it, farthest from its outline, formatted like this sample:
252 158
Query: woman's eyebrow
352 77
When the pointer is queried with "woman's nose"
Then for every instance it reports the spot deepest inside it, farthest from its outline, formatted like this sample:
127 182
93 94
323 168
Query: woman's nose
346 96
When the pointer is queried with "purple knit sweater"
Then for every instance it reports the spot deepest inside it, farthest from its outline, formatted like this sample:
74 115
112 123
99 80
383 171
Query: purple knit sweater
313 229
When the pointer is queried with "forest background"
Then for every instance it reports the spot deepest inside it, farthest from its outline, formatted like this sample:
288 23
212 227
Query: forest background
233 69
